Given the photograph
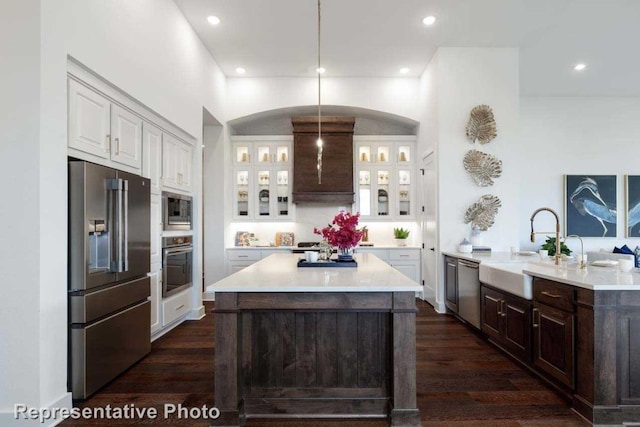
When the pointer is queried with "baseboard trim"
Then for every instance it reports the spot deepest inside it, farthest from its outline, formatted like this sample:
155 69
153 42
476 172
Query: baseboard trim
197 313
7 419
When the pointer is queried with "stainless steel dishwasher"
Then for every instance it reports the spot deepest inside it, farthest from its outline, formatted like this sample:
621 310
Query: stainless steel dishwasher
469 292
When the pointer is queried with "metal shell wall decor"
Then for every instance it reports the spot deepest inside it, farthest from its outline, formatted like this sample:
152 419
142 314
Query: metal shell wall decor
482 167
483 212
481 126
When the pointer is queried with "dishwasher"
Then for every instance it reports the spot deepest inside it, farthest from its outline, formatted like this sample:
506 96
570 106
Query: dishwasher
469 292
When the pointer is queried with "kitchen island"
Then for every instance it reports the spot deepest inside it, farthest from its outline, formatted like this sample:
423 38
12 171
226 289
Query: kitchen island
316 342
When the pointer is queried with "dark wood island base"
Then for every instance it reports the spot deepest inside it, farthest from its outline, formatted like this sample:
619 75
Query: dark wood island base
315 355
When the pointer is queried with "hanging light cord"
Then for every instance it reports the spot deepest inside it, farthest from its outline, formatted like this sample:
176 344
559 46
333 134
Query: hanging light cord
319 142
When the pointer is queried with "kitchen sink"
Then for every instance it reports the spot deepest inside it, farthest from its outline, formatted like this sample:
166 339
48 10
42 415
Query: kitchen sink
508 277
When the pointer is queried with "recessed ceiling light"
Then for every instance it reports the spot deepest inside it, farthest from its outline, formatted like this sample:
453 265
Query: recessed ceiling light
404 70
213 20
240 70
580 67
429 20
321 70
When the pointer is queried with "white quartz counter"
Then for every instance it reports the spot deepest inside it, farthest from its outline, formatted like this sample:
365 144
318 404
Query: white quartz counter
593 277
279 273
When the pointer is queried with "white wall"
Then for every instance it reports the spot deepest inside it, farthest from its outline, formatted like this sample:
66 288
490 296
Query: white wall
214 161
574 136
19 162
468 77
144 47
253 95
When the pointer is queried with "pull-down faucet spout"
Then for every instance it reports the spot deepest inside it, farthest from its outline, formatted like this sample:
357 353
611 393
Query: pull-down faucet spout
533 233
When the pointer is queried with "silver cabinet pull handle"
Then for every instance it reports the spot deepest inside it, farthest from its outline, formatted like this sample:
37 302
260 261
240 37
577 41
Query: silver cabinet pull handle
550 295
535 325
117 146
179 307
108 146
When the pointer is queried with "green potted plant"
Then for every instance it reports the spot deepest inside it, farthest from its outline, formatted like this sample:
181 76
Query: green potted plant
550 245
400 235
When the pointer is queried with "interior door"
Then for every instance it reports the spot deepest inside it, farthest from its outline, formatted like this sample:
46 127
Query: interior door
429 230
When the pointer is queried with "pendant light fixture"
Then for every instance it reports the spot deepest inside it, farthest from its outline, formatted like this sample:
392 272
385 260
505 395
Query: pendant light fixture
319 71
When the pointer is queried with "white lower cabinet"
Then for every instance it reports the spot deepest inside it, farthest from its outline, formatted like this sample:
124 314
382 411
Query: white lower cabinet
176 306
155 298
405 260
239 258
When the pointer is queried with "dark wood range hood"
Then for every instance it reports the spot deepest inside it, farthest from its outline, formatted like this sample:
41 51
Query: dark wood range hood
337 160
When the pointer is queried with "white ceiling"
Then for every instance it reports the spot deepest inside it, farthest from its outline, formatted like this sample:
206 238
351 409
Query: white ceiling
375 38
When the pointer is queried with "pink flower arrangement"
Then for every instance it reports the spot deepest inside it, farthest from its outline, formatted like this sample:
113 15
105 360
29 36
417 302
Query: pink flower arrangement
342 232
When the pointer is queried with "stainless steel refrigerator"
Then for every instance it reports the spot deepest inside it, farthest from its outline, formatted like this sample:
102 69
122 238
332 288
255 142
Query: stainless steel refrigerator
109 248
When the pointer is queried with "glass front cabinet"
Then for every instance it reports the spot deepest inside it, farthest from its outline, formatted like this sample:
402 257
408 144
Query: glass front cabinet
262 178
385 184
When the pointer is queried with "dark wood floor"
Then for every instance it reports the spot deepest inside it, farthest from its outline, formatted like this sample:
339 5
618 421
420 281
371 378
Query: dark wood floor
462 381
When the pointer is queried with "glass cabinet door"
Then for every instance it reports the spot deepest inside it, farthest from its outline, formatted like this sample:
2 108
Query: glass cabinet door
242 154
364 154
404 193
364 192
404 154
264 154
262 193
283 206
241 208
382 154
282 154
383 190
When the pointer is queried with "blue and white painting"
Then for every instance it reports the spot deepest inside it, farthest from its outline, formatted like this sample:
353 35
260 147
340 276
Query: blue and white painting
590 205
633 206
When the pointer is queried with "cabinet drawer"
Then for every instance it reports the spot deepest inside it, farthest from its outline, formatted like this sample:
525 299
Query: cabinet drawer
247 255
175 307
553 294
403 254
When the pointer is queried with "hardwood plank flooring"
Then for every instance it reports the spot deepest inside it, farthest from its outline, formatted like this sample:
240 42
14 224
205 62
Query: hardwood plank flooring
462 381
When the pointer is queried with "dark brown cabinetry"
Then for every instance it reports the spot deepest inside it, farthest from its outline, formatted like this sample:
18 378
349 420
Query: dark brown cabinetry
451 283
506 320
336 185
553 326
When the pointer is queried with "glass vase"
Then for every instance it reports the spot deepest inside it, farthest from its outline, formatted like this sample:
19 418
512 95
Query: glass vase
345 254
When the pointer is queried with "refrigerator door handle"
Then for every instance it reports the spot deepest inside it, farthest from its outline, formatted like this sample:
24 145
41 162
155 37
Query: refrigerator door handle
124 194
116 261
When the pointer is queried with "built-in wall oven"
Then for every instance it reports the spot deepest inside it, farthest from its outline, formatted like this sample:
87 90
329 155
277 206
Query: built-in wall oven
177 264
176 211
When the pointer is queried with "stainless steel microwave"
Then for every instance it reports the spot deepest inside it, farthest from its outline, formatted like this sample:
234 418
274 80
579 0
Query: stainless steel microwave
176 211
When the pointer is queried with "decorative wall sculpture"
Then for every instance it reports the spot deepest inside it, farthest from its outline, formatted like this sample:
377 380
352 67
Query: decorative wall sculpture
482 167
482 125
483 212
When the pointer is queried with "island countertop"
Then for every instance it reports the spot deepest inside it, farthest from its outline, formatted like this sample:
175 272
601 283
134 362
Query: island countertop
279 273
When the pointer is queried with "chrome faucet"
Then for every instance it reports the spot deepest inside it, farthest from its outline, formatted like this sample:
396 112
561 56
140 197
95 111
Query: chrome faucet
583 264
533 233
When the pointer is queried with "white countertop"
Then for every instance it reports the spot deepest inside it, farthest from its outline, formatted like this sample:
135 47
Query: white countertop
593 277
284 248
279 273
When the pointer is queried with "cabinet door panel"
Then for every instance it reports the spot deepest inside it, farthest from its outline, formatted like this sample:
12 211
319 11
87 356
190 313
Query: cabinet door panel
451 284
553 343
155 297
490 312
517 328
169 161
126 137
152 156
89 121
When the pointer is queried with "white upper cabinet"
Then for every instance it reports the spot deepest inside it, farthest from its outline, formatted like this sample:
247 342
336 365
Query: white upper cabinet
102 128
89 120
384 174
177 160
126 137
152 156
